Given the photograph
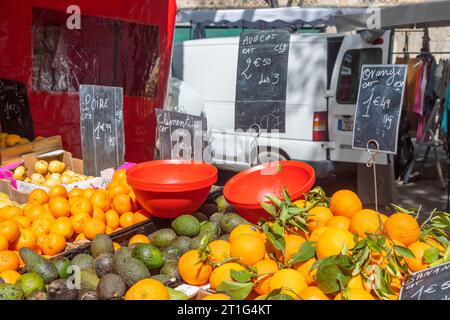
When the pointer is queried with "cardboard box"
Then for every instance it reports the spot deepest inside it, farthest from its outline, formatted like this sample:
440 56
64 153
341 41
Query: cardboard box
13 154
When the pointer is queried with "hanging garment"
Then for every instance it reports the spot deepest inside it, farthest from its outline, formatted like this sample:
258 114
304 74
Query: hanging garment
444 123
418 90
410 91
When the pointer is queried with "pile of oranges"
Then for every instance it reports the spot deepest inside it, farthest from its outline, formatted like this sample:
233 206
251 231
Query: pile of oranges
331 230
51 220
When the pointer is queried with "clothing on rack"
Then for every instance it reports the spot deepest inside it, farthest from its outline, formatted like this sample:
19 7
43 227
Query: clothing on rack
444 123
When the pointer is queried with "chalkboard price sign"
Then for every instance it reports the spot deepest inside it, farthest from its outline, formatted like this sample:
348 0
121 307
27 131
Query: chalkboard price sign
182 136
15 110
261 80
379 105
101 121
429 284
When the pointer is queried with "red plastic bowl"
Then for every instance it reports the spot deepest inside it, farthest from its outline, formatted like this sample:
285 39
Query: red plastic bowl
246 190
169 188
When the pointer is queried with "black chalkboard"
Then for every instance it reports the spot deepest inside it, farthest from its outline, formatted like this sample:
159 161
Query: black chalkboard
101 124
182 136
429 284
261 80
379 106
14 109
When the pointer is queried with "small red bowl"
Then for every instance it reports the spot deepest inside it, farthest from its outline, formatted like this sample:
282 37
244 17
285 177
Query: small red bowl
246 190
169 188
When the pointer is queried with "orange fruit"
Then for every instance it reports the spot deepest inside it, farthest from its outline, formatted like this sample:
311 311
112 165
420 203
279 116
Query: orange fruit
41 225
222 273
62 226
23 221
72 200
364 221
33 211
315 235
116 246
122 203
140 216
248 249
120 175
243 229
115 188
88 193
147 289
78 220
216 296
93 227
126 219
10 229
302 203
293 243
38 196
109 230
356 294
417 263
290 280
58 191
10 276
53 244
356 282
81 205
305 269
332 241
41 237
26 239
138 238
402 227
220 250
265 269
312 293
98 213
345 203
4 243
10 212
192 270
339 222
59 207
112 219
9 261
318 217
80 237
75 192
383 217
100 200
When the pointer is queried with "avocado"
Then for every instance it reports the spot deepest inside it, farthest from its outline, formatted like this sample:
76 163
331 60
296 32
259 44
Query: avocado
181 243
163 278
102 243
83 261
186 225
87 295
62 264
170 254
38 295
200 216
122 253
215 217
30 282
208 209
89 279
11 292
34 262
177 294
230 209
221 203
59 290
230 221
149 255
170 268
111 287
195 242
162 237
131 270
104 264
212 229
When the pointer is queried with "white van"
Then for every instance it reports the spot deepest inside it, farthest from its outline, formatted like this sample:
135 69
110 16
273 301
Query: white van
322 88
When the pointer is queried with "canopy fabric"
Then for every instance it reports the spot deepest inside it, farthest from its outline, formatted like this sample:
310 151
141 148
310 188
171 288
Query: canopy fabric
271 17
432 13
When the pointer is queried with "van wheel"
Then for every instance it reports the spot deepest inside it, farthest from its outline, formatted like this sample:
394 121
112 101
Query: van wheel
272 155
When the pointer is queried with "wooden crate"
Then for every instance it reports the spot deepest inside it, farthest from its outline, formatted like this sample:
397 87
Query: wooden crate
13 154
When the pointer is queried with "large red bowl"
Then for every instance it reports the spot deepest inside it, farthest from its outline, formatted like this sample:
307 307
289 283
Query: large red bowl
246 190
169 188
